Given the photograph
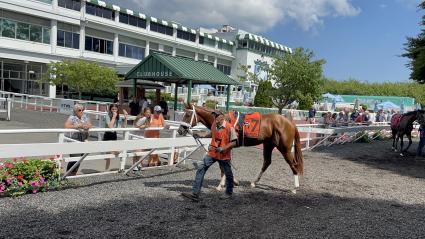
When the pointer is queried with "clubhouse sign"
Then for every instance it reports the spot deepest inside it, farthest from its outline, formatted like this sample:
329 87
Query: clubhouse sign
155 74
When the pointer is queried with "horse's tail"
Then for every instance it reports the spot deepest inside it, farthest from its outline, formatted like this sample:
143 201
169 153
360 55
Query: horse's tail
298 155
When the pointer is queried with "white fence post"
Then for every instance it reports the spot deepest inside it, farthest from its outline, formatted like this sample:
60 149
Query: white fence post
51 105
97 109
307 145
171 159
124 152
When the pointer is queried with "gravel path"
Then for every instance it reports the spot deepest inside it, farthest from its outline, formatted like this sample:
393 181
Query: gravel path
348 191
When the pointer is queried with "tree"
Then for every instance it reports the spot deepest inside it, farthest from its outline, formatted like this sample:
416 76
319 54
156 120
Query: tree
262 97
82 76
296 77
415 51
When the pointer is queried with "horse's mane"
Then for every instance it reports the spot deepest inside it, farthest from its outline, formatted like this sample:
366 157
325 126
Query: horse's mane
410 113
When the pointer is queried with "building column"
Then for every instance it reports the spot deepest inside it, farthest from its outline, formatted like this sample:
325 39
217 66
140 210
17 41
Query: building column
52 91
174 52
117 16
174 33
196 56
115 47
83 10
147 49
53 35
148 24
55 4
197 38
82 38
215 61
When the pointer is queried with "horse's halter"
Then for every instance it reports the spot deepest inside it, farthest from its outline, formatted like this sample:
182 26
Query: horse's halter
194 116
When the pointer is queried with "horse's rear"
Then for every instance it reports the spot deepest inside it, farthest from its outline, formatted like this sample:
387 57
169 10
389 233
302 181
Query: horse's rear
395 122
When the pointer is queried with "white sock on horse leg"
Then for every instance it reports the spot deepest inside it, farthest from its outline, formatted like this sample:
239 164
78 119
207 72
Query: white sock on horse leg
296 181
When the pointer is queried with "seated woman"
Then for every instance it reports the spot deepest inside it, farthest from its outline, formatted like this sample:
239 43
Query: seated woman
80 121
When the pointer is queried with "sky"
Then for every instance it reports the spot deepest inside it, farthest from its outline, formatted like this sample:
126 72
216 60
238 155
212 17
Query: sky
359 39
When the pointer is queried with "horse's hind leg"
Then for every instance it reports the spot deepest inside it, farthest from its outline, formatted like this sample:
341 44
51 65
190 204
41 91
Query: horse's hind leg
267 154
401 145
409 136
289 158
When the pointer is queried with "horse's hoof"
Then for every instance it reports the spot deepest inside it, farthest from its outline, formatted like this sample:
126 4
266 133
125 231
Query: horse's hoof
253 185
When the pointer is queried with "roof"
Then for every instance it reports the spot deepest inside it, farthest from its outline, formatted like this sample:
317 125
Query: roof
157 20
172 69
142 83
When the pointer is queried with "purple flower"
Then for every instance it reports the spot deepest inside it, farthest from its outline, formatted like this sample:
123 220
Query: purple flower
20 184
34 183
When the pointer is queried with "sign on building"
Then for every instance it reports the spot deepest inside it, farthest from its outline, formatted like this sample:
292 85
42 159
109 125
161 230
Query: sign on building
66 106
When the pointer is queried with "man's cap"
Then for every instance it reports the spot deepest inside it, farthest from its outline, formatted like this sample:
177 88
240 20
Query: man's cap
157 108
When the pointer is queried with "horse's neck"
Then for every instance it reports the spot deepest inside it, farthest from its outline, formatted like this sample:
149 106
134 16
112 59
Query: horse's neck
205 117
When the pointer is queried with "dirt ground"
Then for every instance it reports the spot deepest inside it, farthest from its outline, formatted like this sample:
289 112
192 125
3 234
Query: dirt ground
359 190
356 190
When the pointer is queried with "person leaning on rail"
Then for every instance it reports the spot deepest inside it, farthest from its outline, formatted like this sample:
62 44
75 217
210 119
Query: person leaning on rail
80 121
223 140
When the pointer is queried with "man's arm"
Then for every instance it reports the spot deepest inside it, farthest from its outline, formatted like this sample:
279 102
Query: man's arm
202 134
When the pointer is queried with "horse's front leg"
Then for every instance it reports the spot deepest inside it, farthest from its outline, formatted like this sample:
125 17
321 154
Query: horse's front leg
267 153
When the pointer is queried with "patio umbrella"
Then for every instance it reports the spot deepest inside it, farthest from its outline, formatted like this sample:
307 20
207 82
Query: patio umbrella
356 104
388 105
333 107
328 96
375 108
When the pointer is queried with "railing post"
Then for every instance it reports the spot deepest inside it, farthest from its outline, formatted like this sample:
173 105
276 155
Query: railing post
41 104
26 101
60 159
172 155
51 105
124 152
97 109
307 145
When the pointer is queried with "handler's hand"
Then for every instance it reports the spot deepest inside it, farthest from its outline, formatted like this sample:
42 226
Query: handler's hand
219 150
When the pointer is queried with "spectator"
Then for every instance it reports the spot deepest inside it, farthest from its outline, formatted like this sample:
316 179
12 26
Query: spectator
79 121
312 115
134 107
421 140
354 115
113 120
164 107
143 104
142 121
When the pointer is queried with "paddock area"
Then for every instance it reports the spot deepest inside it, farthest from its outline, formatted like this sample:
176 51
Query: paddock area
355 190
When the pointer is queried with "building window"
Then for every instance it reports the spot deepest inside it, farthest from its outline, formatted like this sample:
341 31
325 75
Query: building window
201 40
225 69
208 42
225 46
36 33
130 51
100 11
70 4
24 31
132 20
186 35
99 45
243 44
155 27
68 39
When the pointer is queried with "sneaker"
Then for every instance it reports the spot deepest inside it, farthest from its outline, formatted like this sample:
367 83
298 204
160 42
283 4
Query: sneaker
191 196
225 196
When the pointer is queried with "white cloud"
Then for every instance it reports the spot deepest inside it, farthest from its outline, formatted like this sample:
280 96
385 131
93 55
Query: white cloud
252 15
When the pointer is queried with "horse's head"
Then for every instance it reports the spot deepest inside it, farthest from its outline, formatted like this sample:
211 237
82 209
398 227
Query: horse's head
190 118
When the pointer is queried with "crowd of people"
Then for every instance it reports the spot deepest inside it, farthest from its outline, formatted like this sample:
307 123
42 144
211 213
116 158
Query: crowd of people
347 116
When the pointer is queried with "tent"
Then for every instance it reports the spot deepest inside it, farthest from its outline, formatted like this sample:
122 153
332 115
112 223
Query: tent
338 98
388 105
328 96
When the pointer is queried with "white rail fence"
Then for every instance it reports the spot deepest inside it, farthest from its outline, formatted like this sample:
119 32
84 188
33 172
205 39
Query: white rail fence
5 107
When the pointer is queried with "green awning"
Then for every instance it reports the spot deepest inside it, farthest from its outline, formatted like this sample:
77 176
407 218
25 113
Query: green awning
171 69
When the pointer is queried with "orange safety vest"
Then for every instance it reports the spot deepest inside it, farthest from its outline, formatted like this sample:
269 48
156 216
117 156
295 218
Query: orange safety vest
220 138
159 122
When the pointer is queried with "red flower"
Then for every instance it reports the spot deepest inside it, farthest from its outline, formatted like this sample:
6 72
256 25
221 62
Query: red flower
9 165
52 158
20 177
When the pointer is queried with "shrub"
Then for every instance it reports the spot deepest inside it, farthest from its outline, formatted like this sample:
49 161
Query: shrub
364 139
28 176
212 104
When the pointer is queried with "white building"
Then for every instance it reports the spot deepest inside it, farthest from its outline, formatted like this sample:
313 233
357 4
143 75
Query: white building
36 32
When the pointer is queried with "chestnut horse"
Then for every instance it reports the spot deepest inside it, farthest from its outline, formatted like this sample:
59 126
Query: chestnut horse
276 131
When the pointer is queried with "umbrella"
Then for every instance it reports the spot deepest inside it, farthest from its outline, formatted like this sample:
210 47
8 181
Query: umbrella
375 108
402 108
356 104
208 87
325 105
328 95
333 107
339 98
388 105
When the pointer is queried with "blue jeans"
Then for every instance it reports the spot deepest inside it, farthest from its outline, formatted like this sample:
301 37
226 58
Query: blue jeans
207 162
420 146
